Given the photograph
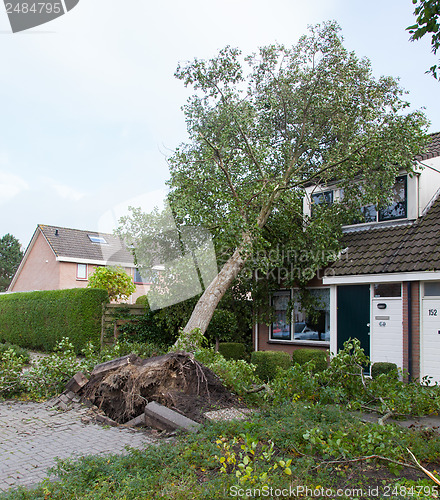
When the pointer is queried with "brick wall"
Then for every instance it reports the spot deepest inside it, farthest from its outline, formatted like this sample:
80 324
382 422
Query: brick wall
415 324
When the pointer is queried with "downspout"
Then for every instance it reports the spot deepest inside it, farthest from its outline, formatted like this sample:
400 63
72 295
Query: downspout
409 292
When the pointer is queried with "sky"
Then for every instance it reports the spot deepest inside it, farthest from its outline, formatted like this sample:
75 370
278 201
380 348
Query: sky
90 108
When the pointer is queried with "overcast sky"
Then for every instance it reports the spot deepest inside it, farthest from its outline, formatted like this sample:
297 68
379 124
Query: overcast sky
90 109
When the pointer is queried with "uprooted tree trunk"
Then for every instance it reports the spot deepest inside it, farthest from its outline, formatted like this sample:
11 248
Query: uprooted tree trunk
205 307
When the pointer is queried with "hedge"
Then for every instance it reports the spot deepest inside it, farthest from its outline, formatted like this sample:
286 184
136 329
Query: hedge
39 320
232 350
267 362
302 356
383 367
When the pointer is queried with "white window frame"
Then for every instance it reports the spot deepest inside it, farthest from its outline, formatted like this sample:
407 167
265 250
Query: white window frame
79 275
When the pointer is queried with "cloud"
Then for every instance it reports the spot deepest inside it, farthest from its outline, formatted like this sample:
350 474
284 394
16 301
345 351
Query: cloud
10 186
64 191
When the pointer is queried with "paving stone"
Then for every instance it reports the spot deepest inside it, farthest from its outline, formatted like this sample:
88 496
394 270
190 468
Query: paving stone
32 435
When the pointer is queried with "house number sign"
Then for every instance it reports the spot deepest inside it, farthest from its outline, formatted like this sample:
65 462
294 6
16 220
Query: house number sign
382 323
432 312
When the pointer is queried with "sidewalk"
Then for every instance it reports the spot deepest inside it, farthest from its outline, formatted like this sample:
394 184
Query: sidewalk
33 435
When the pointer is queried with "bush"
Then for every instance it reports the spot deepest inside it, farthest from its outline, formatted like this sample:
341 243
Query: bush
19 351
142 300
39 320
236 374
223 326
383 367
303 356
267 363
232 350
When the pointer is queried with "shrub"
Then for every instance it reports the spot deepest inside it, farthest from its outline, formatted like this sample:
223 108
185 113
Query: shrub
267 363
115 280
236 374
383 367
11 366
223 326
302 356
142 300
39 320
19 351
232 350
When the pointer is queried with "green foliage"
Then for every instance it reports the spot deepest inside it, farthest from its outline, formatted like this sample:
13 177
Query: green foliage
189 341
19 351
382 367
303 356
267 363
427 14
232 350
145 328
142 300
115 280
292 436
254 464
223 326
49 375
10 258
39 320
236 374
11 366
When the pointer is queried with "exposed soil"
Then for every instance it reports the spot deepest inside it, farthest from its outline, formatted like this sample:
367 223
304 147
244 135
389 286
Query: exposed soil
175 380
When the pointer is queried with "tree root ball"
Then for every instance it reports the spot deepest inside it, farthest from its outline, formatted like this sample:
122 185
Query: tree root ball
175 380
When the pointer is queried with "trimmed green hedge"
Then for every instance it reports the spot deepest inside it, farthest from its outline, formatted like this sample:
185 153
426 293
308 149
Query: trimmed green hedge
302 356
267 362
39 320
383 367
232 350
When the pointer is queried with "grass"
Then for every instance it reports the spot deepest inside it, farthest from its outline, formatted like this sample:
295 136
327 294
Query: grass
310 436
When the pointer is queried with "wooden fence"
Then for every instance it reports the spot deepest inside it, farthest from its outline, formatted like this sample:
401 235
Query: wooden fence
115 315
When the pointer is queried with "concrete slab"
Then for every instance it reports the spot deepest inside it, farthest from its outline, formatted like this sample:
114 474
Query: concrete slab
161 417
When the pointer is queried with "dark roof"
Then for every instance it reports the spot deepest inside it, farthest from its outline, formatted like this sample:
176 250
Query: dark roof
408 248
433 148
76 244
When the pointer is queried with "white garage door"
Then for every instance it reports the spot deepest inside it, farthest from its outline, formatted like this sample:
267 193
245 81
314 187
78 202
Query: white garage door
430 339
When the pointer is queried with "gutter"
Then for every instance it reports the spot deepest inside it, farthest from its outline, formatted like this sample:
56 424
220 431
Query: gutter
410 360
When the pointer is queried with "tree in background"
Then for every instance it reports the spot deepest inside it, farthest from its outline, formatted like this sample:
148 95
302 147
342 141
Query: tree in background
10 258
115 280
264 127
427 14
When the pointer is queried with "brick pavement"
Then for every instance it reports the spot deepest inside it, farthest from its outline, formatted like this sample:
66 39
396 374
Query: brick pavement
32 435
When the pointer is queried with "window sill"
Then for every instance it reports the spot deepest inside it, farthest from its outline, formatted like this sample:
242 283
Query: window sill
307 343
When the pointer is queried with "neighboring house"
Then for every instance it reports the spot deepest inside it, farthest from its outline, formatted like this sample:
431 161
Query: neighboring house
59 258
385 287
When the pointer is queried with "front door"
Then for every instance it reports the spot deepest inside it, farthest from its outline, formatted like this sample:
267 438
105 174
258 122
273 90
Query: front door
353 316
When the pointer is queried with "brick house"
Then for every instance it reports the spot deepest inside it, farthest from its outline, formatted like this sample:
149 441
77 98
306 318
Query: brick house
385 287
59 258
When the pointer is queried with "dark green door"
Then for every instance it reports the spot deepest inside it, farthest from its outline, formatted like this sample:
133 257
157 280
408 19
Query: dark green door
354 315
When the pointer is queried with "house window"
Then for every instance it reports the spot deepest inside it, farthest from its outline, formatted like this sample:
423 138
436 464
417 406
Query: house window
432 289
94 238
281 328
301 326
388 290
396 210
143 278
324 198
315 326
81 271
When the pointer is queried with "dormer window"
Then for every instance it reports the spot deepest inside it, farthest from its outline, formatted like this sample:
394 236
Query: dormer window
94 238
325 197
396 210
